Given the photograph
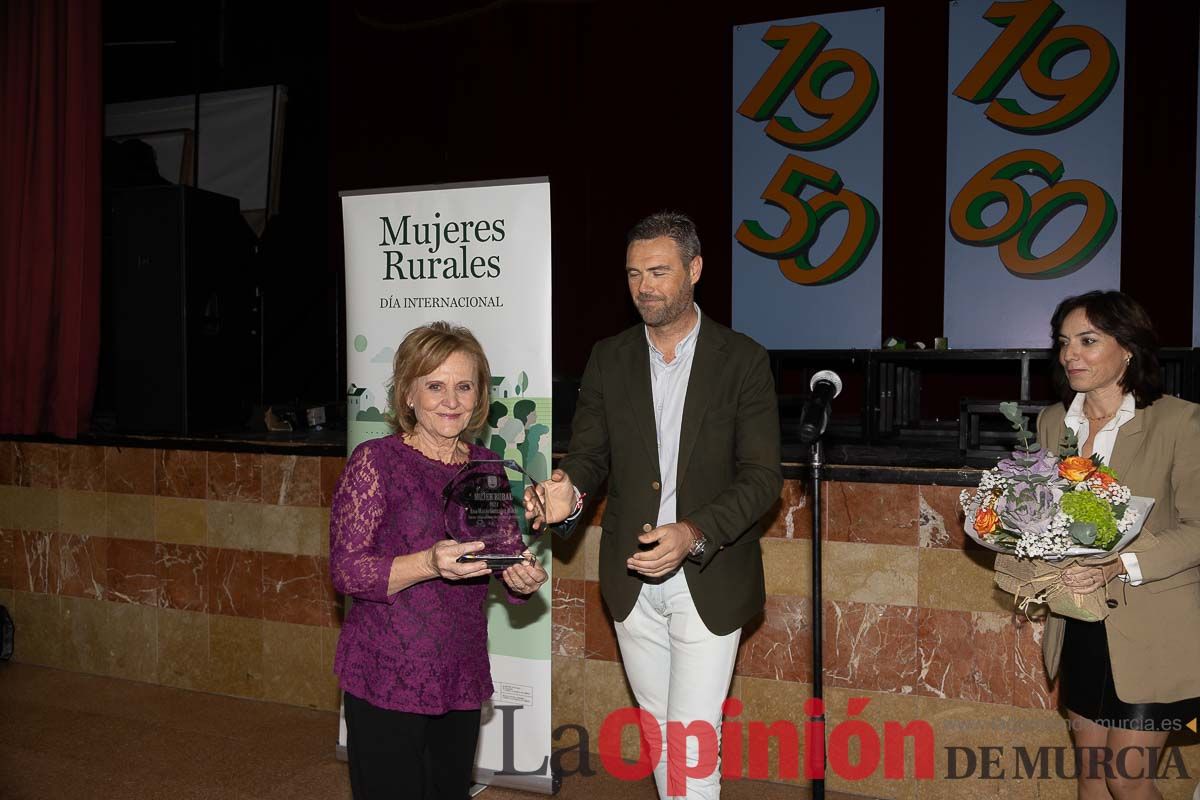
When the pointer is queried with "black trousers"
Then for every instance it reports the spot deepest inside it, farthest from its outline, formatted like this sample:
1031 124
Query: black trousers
395 754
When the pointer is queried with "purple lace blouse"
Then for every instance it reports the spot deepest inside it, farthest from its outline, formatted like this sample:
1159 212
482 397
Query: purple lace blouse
424 648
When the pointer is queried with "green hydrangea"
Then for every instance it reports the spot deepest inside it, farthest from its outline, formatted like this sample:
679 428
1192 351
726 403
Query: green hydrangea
1086 507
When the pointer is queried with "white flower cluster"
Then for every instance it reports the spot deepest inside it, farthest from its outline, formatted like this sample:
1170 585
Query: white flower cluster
992 483
1115 493
1051 544
1127 519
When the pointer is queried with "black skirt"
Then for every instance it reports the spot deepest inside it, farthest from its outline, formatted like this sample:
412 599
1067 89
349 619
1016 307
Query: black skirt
1089 691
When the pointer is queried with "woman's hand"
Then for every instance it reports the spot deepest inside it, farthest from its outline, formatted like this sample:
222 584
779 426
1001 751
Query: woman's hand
526 577
442 561
1085 580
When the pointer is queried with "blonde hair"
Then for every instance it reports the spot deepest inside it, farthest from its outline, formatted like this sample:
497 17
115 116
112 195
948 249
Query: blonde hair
423 350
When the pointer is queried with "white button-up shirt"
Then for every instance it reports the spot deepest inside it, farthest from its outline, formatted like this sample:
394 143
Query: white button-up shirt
669 385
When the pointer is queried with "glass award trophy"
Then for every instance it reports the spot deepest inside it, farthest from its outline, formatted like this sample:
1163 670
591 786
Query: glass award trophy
479 508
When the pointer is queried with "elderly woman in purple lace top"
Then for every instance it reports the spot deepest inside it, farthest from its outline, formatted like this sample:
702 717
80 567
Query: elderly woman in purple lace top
412 656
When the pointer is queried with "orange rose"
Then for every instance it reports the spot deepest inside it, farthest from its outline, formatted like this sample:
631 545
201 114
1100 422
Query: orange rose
1076 468
986 520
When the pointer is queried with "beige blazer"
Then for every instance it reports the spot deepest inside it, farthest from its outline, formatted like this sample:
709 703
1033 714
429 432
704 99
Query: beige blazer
1154 630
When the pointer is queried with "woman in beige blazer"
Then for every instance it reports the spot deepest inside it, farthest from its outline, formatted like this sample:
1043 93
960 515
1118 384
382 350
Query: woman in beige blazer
1135 677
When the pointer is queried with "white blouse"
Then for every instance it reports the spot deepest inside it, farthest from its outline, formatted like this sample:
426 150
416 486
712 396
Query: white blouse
1106 439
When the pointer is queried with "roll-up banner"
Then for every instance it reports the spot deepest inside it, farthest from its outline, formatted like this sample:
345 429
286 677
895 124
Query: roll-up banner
1033 176
1196 252
478 255
808 180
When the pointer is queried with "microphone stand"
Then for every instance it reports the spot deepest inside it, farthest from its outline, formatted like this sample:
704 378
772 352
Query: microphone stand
816 462
814 418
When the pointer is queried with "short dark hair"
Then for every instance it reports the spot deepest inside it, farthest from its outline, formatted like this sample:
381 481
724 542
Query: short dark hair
1124 319
677 227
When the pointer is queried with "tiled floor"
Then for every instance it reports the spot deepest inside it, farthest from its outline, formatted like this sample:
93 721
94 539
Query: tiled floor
65 735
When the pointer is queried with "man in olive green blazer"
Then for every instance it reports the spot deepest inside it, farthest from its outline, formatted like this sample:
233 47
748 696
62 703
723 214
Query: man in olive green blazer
728 473
1153 628
680 416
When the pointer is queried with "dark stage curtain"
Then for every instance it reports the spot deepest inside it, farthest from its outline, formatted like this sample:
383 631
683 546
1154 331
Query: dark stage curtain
51 128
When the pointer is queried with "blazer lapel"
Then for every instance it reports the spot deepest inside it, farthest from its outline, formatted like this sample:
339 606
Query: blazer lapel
707 363
637 389
1130 438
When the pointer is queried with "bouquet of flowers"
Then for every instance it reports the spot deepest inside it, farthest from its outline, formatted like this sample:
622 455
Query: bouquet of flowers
1038 507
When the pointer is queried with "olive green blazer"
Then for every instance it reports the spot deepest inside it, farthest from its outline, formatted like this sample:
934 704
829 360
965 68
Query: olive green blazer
728 473
1154 629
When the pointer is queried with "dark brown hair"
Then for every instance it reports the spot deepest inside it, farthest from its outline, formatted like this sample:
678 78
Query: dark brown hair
677 227
1124 319
423 350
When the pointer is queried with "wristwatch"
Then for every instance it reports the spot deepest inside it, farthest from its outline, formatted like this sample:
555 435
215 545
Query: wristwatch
696 551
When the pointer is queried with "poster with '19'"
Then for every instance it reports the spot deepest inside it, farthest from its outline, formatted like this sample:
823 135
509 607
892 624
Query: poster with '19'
808 180
1033 175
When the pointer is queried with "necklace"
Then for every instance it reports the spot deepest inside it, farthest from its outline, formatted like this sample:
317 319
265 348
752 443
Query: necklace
1100 417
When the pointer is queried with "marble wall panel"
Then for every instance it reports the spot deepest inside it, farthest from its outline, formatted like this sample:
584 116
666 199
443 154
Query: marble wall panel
791 516
870 646
83 512
181 473
877 513
184 575
129 470
778 645
79 566
235 477
291 480
297 589
965 655
941 517
132 573
600 640
81 468
32 562
568 618
236 583
130 516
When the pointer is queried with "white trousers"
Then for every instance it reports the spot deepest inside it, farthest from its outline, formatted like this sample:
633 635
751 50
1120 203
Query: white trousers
679 672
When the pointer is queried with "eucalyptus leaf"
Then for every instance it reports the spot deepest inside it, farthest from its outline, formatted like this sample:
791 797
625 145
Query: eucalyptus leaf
1012 413
1083 532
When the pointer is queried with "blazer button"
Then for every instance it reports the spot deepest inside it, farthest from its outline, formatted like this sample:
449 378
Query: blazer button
655 485
647 527
1111 603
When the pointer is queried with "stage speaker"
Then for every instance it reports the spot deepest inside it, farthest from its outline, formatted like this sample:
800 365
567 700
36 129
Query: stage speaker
180 312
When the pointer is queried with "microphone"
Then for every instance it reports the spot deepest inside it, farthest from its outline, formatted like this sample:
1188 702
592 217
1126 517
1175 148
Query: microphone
814 416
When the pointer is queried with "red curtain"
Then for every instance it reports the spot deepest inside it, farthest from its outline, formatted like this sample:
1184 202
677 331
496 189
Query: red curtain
51 129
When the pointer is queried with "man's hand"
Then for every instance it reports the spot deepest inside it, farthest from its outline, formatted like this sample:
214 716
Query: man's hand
550 501
672 543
